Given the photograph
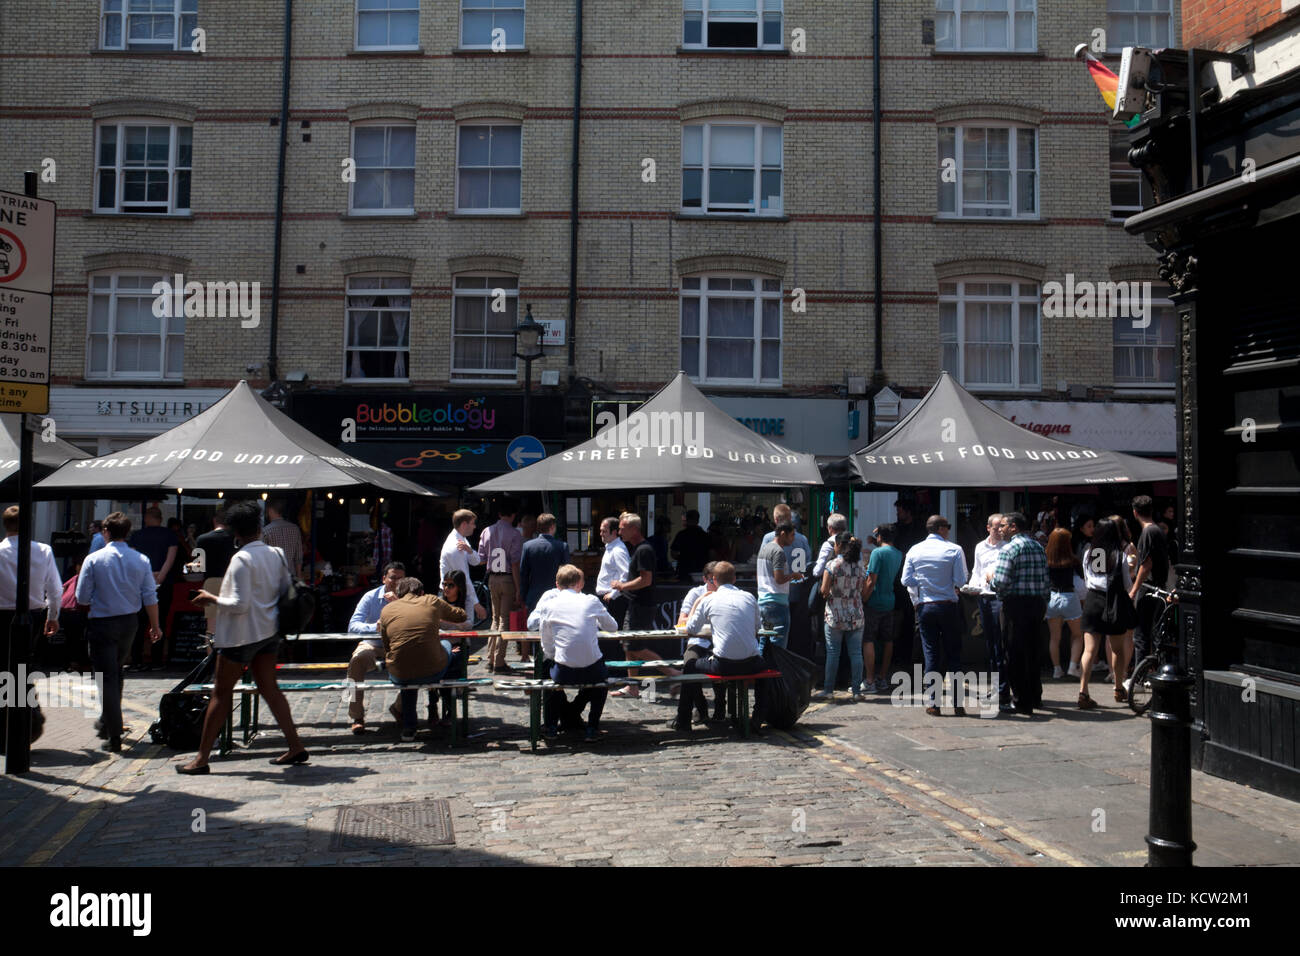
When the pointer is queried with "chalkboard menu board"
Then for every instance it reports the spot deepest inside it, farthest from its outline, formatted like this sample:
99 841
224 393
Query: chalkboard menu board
189 632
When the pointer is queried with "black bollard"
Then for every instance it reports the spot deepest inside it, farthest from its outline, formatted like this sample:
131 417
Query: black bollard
1169 841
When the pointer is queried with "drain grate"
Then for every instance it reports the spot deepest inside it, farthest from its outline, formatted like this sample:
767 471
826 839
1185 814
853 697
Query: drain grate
427 823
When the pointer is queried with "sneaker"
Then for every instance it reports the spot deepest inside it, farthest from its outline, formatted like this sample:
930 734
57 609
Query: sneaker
859 698
820 694
1073 670
1128 685
408 734
882 686
1057 673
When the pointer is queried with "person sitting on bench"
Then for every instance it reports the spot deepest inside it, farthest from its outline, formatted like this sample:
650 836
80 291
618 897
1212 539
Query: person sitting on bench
413 654
365 621
568 621
697 647
733 616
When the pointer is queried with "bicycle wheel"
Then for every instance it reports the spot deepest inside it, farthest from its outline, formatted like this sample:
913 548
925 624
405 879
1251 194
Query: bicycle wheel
1139 691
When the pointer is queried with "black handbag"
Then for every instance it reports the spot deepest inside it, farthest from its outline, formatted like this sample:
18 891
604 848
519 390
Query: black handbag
296 605
1119 611
180 716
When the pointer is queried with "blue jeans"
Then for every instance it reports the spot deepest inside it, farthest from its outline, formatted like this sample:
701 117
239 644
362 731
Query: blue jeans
410 698
774 617
940 642
834 641
991 622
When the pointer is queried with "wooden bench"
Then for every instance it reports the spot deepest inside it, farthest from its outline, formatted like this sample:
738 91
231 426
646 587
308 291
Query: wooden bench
737 686
249 722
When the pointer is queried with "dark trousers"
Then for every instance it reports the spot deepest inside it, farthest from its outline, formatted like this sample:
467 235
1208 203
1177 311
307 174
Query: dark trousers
1148 609
639 617
991 622
156 651
37 618
693 694
1022 620
904 631
557 708
725 667
940 643
110 641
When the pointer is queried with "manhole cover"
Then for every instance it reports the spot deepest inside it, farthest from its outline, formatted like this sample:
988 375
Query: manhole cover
427 823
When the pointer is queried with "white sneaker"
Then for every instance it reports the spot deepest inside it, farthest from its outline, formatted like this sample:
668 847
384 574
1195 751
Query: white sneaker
1128 684
1073 670
820 694
1057 673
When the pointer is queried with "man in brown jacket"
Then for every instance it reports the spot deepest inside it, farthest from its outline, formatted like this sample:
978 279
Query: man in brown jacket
413 654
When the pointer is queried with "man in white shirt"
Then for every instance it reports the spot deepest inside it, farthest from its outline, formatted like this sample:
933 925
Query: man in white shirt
613 567
933 570
699 647
44 592
569 621
835 523
981 576
458 555
732 616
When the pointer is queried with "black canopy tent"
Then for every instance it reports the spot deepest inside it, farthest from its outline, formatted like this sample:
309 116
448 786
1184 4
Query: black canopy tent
953 440
677 439
46 455
241 443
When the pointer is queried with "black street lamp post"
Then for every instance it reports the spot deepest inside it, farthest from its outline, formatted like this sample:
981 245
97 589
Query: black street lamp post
528 349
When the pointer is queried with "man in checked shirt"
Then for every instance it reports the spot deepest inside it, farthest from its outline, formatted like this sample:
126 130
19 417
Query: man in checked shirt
1021 581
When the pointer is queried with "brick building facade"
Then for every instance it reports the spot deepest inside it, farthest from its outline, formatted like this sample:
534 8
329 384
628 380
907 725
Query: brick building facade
759 128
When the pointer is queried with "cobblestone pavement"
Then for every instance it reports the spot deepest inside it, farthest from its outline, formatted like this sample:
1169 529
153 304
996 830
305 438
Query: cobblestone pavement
855 784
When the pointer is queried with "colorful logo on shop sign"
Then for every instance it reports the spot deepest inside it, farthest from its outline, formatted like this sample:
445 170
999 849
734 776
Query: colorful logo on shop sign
474 413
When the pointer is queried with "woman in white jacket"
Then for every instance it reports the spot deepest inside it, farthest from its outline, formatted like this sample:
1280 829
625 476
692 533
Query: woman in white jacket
247 633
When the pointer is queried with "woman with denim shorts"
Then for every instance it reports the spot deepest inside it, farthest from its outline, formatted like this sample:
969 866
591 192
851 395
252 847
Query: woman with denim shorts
1063 605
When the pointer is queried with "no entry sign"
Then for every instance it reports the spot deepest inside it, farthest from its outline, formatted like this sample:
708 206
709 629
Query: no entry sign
26 282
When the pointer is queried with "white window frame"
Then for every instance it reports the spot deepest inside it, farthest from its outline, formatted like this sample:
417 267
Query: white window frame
170 207
407 6
1129 10
755 208
1158 301
960 206
953 11
493 281
725 11
1023 293
519 6
385 210
758 297
120 10
348 347
490 210
165 374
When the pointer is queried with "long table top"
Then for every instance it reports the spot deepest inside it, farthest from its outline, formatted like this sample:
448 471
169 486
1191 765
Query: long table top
522 636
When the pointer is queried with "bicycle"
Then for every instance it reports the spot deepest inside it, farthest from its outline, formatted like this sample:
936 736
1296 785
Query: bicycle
1164 641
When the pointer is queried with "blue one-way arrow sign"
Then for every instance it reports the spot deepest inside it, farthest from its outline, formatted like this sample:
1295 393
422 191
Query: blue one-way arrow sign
524 450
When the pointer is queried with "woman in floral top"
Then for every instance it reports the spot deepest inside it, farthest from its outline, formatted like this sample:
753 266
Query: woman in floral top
843 582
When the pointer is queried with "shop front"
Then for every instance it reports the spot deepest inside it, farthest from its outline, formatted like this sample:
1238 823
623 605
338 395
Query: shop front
108 419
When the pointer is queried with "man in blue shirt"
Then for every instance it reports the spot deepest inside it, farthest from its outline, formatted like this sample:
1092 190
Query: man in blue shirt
365 620
935 569
541 558
116 582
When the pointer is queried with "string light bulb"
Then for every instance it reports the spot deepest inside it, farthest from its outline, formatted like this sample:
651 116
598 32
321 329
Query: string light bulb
264 496
221 494
329 495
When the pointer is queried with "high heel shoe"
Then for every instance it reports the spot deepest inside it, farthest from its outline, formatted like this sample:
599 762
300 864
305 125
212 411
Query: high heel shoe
301 756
